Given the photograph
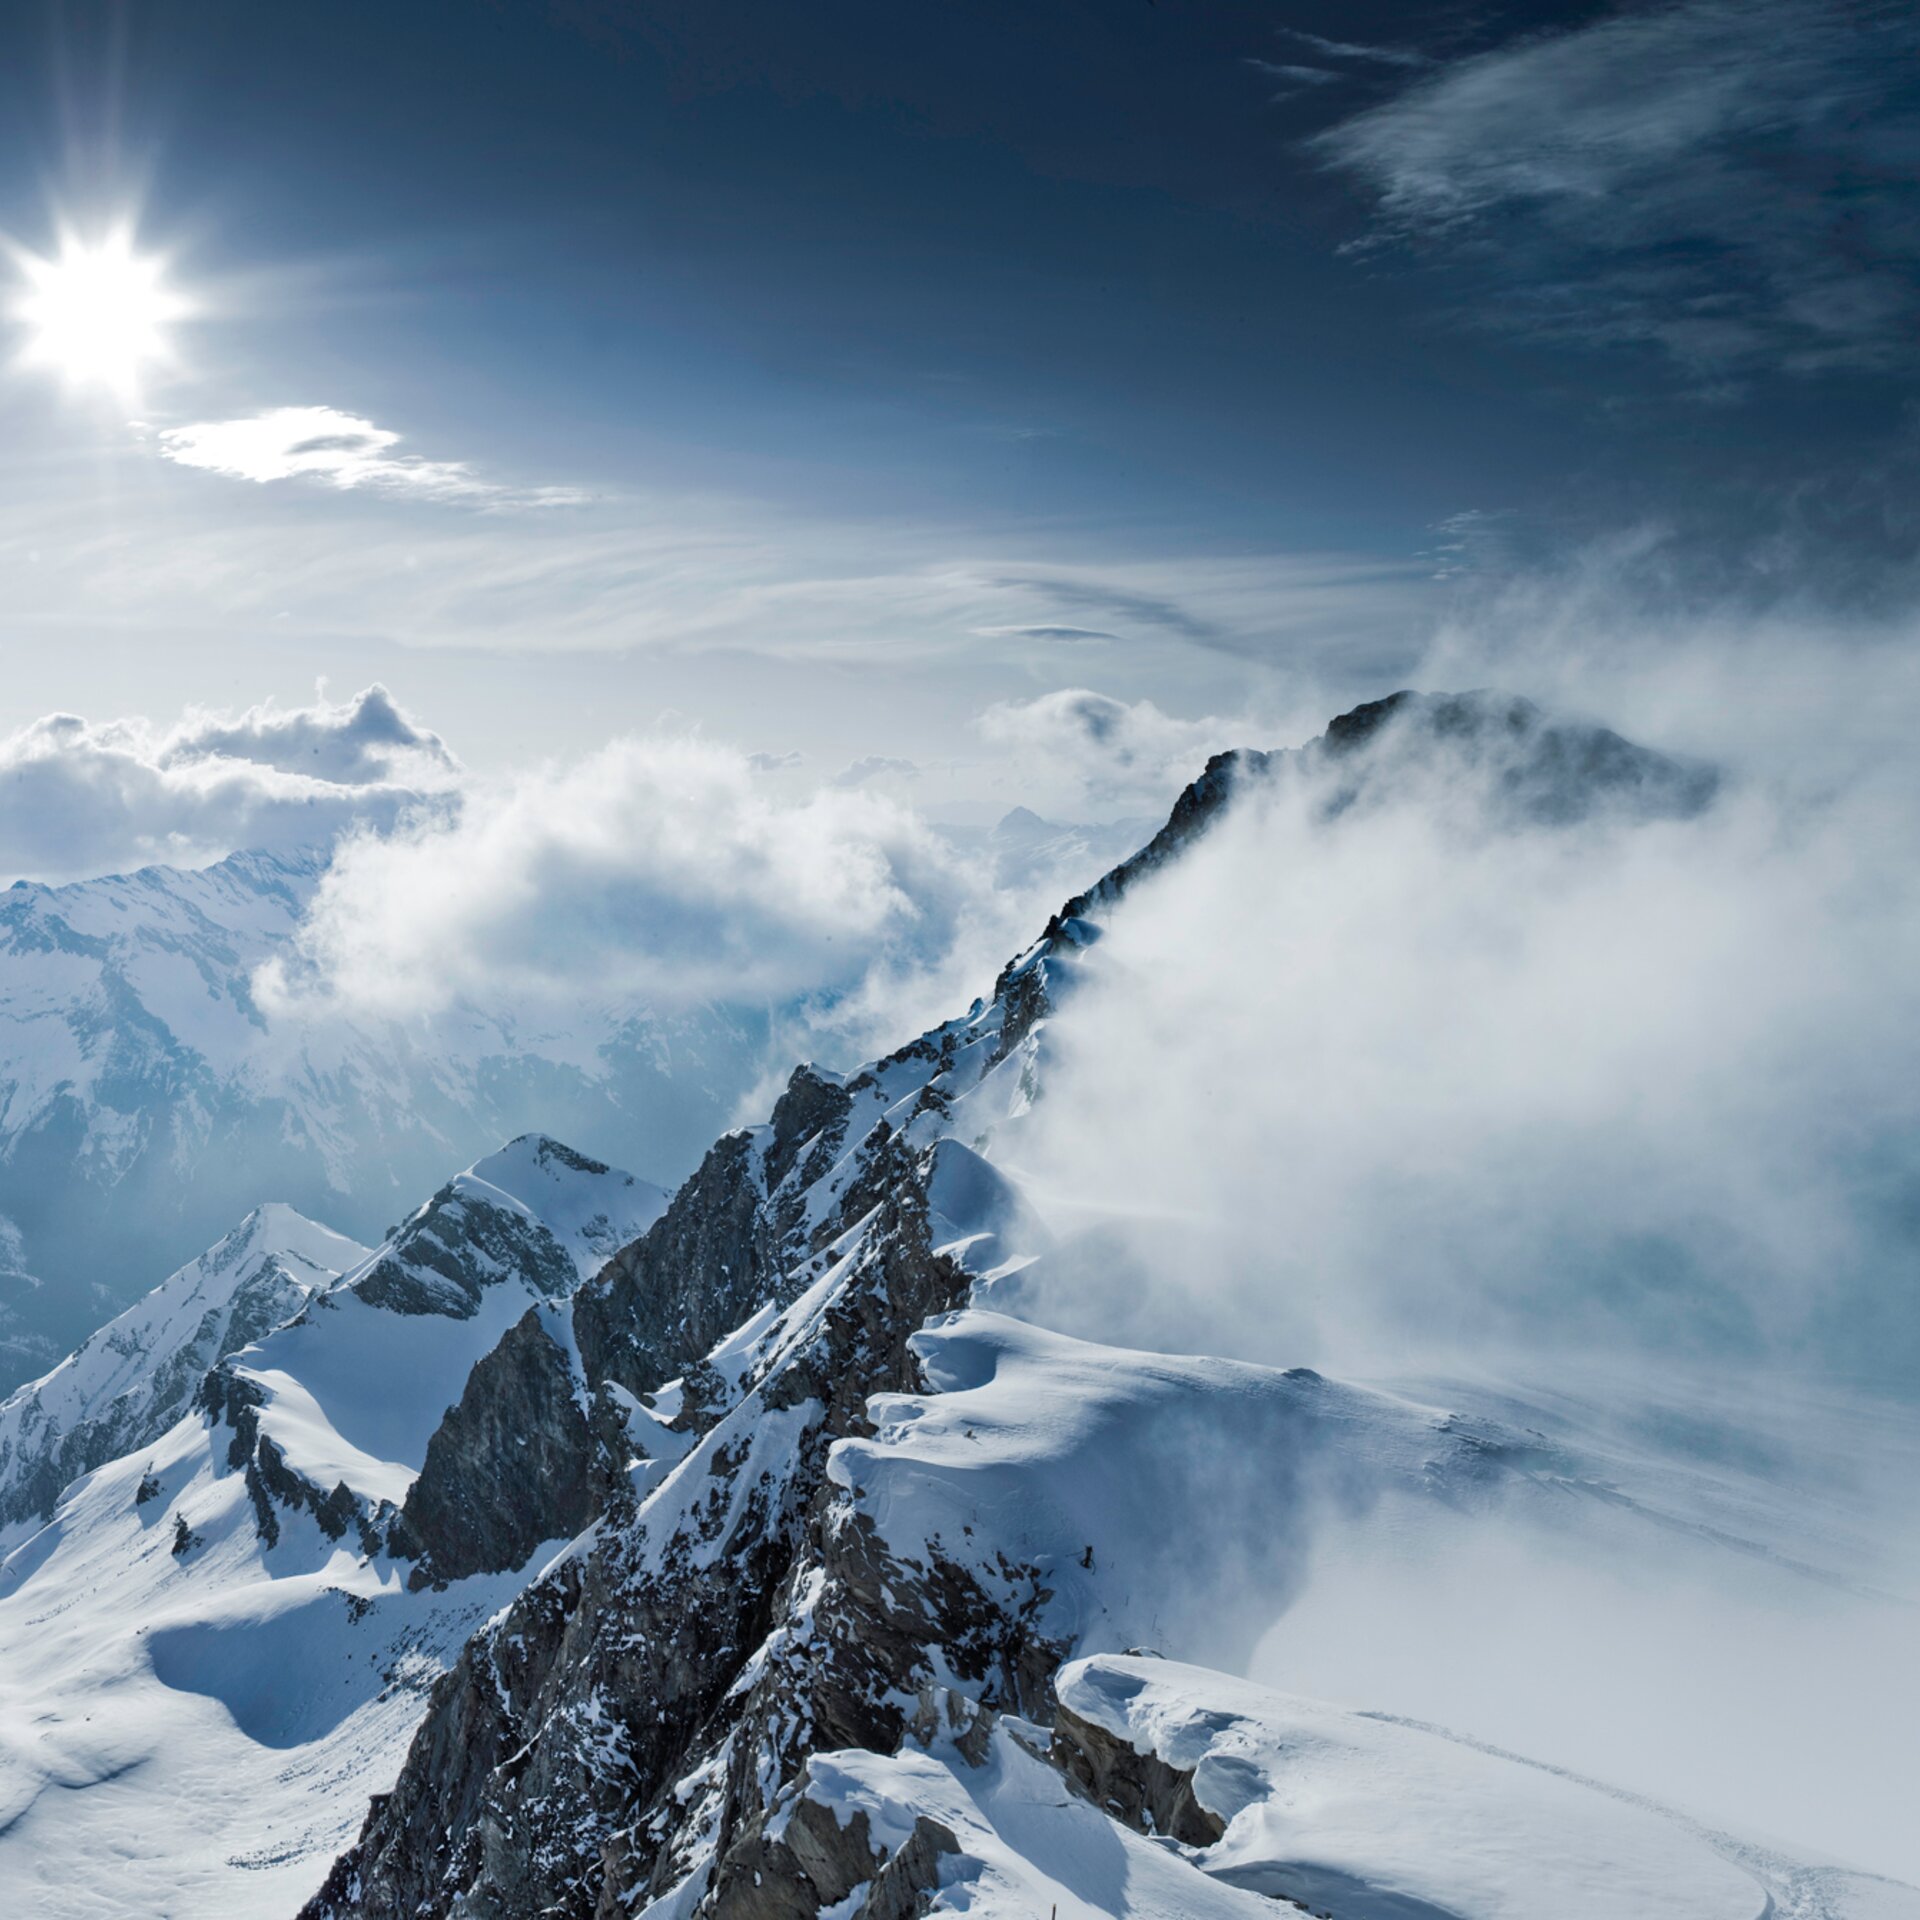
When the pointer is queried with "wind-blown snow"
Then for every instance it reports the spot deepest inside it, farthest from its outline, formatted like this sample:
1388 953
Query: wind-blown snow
1372 1820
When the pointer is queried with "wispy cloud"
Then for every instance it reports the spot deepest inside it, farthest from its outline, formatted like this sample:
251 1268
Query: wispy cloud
1062 636
876 766
1082 745
337 449
654 571
1355 50
1296 76
1729 184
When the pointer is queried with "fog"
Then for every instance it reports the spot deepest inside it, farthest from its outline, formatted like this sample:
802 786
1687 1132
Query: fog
1426 1083
1605 1132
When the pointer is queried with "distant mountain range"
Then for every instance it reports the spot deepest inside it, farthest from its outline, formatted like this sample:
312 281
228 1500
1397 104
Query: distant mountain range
146 1102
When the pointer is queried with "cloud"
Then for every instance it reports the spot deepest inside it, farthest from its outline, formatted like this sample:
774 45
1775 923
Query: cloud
1091 746
1354 50
876 766
775 762
338 450
1144 608
658 572
1731 185
1298 76
1061 636
79 798
364 741
1428 1088
655 868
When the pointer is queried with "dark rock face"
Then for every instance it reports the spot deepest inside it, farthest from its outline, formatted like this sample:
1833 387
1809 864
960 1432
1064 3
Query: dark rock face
720 1248
1139 1788
509 1466
600 1737
694 1275
443 1258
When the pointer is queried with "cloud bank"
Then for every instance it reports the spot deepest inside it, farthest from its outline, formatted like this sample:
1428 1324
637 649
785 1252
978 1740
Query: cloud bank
79 798
656 868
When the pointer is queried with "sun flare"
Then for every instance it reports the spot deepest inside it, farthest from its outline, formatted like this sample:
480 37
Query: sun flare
97 314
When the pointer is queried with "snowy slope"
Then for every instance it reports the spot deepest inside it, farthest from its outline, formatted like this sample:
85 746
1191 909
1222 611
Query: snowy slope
134 1378
350 1393
1369 1819
146 1100
211 1654
187 1735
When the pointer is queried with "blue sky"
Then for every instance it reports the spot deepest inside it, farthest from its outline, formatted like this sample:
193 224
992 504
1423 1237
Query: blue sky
824 377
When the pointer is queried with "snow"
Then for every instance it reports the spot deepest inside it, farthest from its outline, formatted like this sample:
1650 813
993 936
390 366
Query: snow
194 1738
1159 1499
138 1372
142 1080
592 1209
196 1734
1368 1819
125 1351
1738 1572
354 1392
1027 1845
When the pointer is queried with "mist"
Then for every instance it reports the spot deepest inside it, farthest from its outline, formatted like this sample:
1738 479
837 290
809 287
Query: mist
1603 1131
1430 1082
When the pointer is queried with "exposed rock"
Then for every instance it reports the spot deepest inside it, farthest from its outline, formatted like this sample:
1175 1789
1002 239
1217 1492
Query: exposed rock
552 1772
510 1466
816 1862
693 1276
1139 1788
442 1259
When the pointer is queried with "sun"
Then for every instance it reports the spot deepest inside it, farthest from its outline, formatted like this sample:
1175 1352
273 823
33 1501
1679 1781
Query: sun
97 314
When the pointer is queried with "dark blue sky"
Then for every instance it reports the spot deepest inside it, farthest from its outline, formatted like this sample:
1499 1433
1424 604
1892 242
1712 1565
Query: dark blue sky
1076 286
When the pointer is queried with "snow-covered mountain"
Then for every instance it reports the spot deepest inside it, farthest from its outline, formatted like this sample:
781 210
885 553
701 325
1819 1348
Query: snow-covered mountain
130 1382
807 1571
146 1102
215 1617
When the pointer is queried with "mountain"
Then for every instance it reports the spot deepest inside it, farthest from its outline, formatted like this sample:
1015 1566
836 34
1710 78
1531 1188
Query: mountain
790 1564
823 1661
210 1653
132 1380
146 1102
